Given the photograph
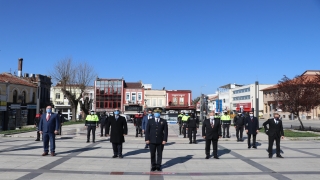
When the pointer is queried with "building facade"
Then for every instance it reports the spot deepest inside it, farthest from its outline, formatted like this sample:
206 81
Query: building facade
154 98
134 98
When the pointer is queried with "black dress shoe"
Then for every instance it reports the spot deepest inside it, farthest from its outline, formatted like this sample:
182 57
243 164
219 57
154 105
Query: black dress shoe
93 141
254 147
194 142
190 142
37 140
249 147
216 157
88 141
279 156
101 136
159 169
207 157
120 156
153 169
270 156
115 156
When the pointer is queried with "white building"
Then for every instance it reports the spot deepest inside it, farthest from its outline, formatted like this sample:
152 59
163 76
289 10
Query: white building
244 97
224 101
61 103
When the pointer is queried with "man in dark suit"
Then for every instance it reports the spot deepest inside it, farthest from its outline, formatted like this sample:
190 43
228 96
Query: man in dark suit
274 132
145 120
119 129
49 127
238 122
192 127
156 137
103 121
252 129
211 132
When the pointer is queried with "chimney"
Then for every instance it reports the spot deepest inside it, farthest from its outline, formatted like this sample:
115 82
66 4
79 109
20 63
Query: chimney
20 67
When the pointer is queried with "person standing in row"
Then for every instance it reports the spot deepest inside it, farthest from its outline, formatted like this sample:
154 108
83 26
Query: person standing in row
226 121
274 132
156 137
91 123
103 122
192 127
137 121
145 121
49 127
211 132
119 129
184 124
252 129
61 121
36 124
180 121
238 122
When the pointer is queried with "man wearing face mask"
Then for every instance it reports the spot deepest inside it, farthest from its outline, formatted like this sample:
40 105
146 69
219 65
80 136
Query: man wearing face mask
226 121
211 132
252 129
192 127
103 122
91 124
119 129
274 132
49 127
145 120
238 122
156 137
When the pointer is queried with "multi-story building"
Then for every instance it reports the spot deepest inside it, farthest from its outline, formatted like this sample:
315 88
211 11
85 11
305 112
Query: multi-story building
62 104
270 105
223 103
176 102
134 98
244 98
109 95
154 98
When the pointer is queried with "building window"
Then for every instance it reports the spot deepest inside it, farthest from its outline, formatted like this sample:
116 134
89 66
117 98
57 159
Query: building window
133 98
139 96
154 102
175 100
127 96
24 96
57 95
15 96
160 102
181 101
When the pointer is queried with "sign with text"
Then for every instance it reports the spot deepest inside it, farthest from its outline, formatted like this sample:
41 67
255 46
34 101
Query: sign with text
133 108
15 106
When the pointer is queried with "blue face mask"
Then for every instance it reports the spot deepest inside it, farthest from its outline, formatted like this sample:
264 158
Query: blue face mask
48 110
157 115
187 114
116 112
149 114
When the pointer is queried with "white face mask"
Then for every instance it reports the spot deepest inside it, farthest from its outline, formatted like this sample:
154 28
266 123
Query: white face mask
250 115
211 117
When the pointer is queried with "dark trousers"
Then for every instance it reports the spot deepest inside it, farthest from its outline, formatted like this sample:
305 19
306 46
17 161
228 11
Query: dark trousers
156 148
138 130
93 129
214 146
184 131
103 127
239 132
60 129
194 132
225 127
180 128
271 140
38 135
254 140
46 138
117 149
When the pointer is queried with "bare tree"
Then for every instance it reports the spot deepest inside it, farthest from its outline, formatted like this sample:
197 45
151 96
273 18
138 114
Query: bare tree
196 100
300 94
73 78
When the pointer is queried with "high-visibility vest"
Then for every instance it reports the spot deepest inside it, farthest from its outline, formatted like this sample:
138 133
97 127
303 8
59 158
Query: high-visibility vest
225 118
185 118
92 118
217 117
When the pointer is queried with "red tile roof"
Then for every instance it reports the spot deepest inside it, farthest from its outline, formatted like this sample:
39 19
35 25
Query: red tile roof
6 77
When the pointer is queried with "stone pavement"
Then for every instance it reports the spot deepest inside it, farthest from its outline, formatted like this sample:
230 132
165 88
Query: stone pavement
20 158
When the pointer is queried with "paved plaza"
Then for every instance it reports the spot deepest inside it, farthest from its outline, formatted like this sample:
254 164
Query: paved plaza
20 158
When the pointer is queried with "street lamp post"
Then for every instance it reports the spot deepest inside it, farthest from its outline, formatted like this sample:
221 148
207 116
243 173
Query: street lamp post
201 102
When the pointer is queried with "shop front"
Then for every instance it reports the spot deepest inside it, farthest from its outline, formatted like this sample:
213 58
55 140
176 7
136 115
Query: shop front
243 107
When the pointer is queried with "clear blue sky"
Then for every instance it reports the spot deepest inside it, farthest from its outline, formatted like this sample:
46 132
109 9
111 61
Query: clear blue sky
177 44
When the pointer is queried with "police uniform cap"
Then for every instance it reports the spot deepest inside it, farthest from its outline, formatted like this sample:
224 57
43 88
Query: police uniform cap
158 110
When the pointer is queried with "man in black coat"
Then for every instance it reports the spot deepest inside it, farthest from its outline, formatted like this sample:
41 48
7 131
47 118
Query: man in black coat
138 123
192 127
103 121
252 129
238 122
274 132
211 132
119 129
156 136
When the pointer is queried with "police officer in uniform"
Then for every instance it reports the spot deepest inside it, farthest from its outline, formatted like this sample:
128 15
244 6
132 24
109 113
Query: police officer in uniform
156 137
103 122
184 124
238 122
91 123
180 121
225 120
192 127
